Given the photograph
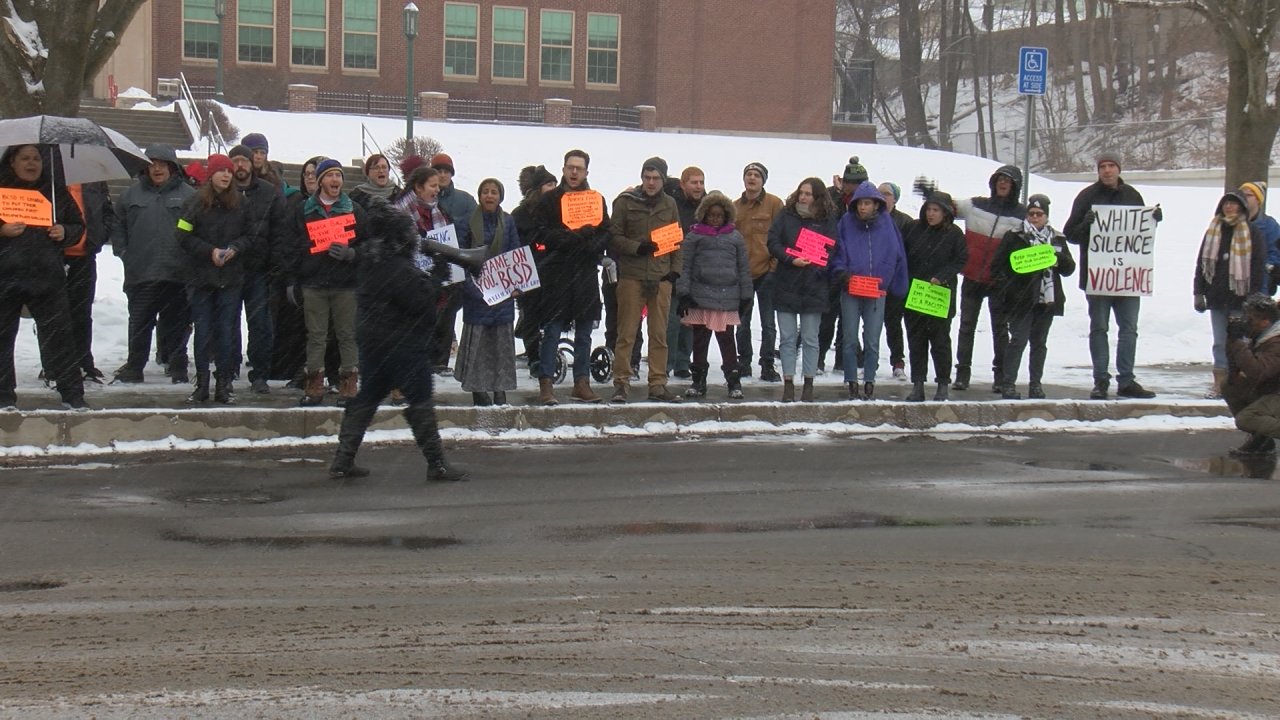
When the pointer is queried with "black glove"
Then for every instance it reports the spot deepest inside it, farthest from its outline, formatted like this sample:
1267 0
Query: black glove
1236 328
294 295
1274 271
670 277
842 279
924 186
1090 217
1157 214
342 251
1201 303
744 307
684 305
648 247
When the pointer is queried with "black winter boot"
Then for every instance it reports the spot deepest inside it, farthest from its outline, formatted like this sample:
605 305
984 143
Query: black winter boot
733 379
201 392
854 392
426 432
698 384
499 397
481 399
1256 445
355 420
943 393
223 392
868 391
917 392
768 373
962 379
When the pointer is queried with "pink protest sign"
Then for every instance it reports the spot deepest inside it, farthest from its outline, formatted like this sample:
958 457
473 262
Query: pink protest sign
811 246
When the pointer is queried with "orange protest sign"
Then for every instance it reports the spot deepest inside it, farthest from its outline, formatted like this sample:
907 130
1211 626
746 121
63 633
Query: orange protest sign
582 208
25 206
667 238
867 286
324 233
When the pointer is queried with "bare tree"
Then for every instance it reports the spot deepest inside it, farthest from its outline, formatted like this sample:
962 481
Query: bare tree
1253 116
52 49
911 55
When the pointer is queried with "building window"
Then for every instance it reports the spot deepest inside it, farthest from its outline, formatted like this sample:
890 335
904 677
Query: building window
557 46
360 34
256 25
508 43
460 39
602 49
200 32
308 33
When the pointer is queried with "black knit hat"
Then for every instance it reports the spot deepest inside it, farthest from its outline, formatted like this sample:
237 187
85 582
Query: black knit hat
657 164
240 151
854 172
1038 201
1109 156
758 167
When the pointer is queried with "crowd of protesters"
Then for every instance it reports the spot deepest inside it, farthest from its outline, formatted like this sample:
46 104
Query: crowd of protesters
212 248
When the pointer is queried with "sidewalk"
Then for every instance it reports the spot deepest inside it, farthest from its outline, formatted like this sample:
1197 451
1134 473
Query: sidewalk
157 411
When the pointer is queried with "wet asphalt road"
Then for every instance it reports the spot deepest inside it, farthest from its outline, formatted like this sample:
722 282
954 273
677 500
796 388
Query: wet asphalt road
1059 575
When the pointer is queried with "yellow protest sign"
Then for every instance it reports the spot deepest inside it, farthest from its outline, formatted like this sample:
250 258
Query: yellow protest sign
25 206
582 208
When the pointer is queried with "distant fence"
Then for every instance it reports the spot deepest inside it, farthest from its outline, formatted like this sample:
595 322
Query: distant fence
365 103
616 116
495 110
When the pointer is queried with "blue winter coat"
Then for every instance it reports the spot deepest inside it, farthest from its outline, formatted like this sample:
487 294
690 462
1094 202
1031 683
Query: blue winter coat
475 311
871 247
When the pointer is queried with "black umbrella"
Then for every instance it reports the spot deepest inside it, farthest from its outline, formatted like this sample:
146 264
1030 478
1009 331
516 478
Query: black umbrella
88 151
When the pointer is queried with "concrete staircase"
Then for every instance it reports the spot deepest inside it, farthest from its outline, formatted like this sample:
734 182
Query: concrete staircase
143 127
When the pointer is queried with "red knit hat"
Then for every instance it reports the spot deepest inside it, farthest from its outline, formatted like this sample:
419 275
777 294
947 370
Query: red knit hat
195 170
440 160
217 163
409 164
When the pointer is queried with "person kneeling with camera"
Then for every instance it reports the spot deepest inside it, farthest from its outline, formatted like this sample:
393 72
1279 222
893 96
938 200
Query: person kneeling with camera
1253 384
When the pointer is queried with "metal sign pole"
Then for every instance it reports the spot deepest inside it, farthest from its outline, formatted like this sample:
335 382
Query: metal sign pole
1026 150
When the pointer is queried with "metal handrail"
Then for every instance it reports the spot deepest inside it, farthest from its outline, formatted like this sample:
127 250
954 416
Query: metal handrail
213 137
366 141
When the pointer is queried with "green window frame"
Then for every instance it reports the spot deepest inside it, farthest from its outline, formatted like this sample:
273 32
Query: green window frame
509 32
603 41
256 31
360 34
461 39
308 33
556 36
201 34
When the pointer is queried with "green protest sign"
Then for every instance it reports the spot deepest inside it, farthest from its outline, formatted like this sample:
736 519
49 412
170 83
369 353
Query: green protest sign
1032 259
929 299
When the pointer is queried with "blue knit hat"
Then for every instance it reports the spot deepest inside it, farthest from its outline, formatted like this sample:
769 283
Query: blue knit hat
326 166
256 141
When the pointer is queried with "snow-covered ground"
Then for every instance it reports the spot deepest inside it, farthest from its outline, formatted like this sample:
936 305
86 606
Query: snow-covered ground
1170 330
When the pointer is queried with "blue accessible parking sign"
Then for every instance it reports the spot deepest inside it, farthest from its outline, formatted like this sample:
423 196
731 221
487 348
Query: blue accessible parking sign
1033 70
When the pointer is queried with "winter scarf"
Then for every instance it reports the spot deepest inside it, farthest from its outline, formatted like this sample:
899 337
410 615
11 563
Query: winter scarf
705 229
380 192
1043 236
1240 255
479 219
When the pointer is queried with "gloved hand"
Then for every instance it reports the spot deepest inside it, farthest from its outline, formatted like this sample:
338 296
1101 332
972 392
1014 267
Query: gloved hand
924 186
342 251
1157 214
1201 303
745 306
1274 271
1236 328
684 305
648 247
842 279
670 277
1090 217
294 294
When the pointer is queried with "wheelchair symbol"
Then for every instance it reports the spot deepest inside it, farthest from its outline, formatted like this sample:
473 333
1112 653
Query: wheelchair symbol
1034 63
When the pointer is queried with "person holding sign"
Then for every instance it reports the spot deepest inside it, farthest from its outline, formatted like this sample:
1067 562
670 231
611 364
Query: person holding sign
869 262
713 289
327 235
487 350
1231 265
1109 190
936 252
801 239
647 266
1029 280
572 223
31 272
215 231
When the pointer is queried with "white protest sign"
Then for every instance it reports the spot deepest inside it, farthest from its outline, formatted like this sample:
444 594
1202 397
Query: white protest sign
506 273
1122 243
447 235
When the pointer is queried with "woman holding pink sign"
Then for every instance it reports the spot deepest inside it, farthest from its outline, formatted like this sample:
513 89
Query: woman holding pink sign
801 239
868 263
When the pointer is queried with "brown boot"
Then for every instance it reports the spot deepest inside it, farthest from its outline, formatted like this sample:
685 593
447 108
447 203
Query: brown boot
582 391
348 385
806 392
313 388
546 392
788 390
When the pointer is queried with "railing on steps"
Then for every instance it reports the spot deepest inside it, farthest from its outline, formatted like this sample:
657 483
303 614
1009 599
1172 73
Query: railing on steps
367 142
212 135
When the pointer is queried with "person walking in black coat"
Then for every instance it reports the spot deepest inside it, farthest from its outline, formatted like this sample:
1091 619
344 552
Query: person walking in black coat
31 274
1031 299
396 303
215 234
264 210
936 252
81 261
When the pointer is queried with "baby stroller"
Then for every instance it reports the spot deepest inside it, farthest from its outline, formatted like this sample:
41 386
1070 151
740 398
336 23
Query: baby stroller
601 367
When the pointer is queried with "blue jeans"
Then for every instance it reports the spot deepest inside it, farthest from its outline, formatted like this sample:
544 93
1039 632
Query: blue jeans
216 315
255 292
1101 307
1218 319
550 346
768 323
870 313
808 324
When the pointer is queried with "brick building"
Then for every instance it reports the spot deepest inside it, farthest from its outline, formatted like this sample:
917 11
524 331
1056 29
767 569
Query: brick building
705 65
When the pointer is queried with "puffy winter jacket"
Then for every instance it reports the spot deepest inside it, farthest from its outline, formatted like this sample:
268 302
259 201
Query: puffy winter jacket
202 229
319 270
264 207
986 220
870 247
567 270
799 289
935 251
1021 292
634 218
31 264
143 236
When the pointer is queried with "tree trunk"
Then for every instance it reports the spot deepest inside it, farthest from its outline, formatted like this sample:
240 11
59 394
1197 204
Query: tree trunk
1076 43
949 66
910 82
1251 125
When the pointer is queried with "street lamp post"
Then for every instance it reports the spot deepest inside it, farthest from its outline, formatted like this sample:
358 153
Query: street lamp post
220 10
410 32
